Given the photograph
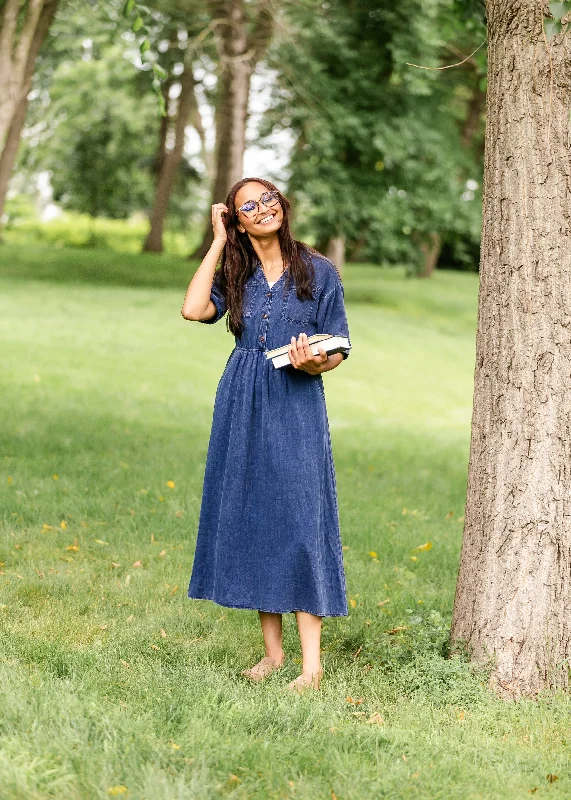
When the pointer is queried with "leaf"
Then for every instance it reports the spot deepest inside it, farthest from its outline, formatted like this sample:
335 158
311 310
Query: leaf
382 603
73 547
163 633
154 647
115 791
551 27
63 524
137 24
46 527
100 541
558 10
161 73
137 564
375 719
128 8
398 629
162 553
372 554
421 547
552 778
115 564
170 484
55 477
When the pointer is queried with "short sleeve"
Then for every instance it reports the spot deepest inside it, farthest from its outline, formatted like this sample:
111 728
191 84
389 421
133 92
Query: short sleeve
219 301
331 316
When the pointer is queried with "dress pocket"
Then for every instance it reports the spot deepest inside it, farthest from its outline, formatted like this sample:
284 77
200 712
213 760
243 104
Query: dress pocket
299 311
249 298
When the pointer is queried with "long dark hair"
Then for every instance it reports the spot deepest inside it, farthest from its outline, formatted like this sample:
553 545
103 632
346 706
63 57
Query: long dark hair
237 262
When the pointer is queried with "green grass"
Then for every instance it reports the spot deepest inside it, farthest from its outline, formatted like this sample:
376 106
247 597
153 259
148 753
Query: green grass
107 395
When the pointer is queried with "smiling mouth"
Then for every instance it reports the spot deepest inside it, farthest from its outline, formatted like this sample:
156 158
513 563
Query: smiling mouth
265 220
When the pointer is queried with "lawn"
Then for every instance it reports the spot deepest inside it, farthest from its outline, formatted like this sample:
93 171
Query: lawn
113 683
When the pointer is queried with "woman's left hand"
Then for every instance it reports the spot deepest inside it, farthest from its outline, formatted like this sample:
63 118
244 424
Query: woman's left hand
301 357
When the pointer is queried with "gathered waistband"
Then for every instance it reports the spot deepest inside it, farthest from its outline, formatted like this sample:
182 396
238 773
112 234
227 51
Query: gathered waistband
250 349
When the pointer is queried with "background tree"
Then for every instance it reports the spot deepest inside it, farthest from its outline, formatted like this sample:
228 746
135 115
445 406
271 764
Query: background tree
378 163
98 138
184 37
243 34
17 64
513 598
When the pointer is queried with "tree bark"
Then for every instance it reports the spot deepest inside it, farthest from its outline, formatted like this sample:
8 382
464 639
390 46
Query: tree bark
513 603
238 56
17 34
335 251
14 131
430 249
169 162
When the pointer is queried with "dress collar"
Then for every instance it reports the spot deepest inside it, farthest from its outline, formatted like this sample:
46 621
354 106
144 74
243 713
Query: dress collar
261 275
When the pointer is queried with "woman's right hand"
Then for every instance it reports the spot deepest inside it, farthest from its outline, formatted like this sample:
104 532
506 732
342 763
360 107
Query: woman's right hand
218 209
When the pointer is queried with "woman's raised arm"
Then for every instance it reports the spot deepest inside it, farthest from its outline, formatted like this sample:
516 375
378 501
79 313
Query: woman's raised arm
197 304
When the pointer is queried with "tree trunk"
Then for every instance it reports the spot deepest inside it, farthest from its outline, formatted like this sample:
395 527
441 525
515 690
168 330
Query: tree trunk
513 603
335 251
231 109
14 132
169 162
17 33
430 253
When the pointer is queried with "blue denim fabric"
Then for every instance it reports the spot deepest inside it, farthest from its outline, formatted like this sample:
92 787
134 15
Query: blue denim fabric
268 534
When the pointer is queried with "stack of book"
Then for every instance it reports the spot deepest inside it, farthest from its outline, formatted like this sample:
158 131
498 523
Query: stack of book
324 341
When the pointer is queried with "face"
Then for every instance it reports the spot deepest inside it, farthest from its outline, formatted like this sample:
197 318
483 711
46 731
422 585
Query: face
265 220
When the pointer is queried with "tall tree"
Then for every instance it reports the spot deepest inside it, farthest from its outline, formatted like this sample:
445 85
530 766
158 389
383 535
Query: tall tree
18 24
513 599
168 161
18 83
244 32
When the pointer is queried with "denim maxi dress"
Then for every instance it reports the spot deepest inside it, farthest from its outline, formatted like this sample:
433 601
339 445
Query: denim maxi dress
268 534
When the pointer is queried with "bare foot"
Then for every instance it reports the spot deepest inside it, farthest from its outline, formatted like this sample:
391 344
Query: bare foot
262 669
307 680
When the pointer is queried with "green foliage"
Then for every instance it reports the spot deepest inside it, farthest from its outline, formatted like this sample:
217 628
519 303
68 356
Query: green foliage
138 27
378 156
99 139
82 231
557 9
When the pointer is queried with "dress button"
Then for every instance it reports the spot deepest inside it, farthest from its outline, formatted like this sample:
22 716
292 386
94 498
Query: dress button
268 294
262 338
264 316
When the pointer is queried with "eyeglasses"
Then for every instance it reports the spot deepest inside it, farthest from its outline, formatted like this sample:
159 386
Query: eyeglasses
251 208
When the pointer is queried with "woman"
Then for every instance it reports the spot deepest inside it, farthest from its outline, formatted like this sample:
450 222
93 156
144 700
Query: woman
268 536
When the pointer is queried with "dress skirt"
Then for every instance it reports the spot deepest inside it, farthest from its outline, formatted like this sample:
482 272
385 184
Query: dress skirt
268 535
